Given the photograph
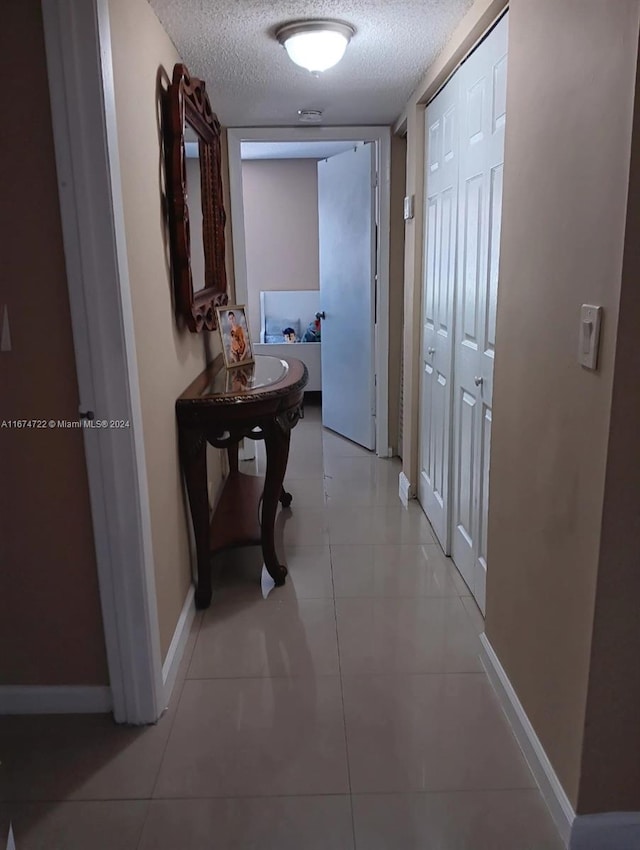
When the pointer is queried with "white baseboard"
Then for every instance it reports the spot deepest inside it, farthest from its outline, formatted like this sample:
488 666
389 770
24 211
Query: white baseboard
55 699
406 491
554 795
610 830
178 644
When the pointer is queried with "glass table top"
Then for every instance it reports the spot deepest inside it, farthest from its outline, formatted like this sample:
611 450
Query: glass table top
265 372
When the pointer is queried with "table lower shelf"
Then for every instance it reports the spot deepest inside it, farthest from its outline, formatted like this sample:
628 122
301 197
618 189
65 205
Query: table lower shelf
236 519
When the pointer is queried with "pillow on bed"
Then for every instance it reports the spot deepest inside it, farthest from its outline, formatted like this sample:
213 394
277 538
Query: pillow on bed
274 327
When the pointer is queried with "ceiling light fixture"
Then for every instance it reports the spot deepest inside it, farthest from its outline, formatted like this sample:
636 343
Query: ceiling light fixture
315 45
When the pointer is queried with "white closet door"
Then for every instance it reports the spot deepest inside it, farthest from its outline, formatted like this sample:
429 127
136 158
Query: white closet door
482 81
438 285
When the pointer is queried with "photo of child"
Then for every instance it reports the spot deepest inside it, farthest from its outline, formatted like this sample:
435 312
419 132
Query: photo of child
234 333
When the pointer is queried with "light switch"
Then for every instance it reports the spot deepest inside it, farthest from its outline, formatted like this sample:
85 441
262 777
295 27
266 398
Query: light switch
590 319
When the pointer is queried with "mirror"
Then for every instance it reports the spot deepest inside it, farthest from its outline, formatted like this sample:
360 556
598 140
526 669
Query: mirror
193 179
194 201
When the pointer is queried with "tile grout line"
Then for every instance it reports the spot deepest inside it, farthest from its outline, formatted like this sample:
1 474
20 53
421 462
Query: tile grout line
187 662
391 674
494 789
344 716
335 617
143 825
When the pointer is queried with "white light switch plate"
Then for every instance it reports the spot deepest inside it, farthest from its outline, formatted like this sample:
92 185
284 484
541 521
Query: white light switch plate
588 344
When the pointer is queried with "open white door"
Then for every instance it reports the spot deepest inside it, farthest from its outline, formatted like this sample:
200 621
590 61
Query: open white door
438 287
483 79
347 235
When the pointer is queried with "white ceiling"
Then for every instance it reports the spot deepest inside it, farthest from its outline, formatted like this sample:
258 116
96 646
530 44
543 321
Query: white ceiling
252 82
292 150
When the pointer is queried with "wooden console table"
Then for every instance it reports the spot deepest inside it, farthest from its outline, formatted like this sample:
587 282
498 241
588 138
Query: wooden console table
262 401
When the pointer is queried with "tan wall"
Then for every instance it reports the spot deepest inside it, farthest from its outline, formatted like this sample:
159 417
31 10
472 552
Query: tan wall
281 228
396 282
50 621
168 357
610 779
564 206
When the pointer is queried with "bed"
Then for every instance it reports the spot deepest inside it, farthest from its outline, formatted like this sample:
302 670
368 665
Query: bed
294 309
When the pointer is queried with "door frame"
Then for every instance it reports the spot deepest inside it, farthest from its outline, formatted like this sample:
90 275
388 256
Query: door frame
80 70
382 137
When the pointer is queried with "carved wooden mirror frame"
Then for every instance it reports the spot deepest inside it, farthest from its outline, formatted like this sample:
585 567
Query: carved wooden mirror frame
187 101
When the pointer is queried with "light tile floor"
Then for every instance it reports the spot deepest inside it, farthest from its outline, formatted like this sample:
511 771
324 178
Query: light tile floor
346 710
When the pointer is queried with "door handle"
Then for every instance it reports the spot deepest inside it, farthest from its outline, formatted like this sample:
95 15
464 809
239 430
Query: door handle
431 351
478 381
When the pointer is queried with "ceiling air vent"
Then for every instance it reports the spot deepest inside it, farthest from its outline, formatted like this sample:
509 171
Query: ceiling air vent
309 116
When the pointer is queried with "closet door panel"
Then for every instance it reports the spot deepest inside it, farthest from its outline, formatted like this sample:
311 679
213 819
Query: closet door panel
439 274
481 156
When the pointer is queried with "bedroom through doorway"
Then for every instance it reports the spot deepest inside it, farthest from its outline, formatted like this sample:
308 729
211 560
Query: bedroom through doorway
307 267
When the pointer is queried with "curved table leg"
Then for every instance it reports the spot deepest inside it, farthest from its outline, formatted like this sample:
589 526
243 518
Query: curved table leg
285 498
277 446
193 449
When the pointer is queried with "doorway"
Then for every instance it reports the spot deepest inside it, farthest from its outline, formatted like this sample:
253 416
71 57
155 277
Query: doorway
464 136
346 304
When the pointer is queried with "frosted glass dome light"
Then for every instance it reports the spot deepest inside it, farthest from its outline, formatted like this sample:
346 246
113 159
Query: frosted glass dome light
315 45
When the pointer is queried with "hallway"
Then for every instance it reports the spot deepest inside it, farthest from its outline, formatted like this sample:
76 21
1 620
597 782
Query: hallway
347 709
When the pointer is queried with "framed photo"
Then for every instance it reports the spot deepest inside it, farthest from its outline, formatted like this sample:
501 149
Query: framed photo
234 333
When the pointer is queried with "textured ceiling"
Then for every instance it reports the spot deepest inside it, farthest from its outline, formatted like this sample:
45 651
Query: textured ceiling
252 82
292 150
